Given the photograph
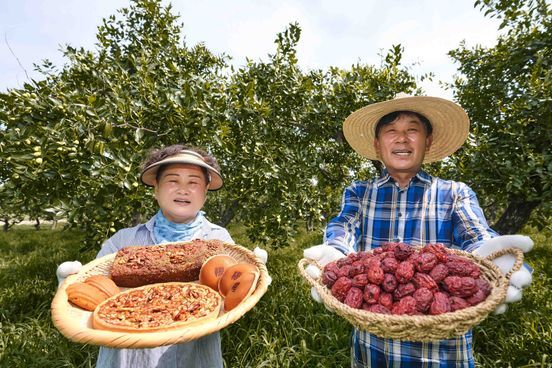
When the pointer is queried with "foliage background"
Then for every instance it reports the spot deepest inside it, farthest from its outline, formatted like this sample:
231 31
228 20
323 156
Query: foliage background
71 143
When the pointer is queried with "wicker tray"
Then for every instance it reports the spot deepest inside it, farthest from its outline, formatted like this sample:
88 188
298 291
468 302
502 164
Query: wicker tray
427 327
76 324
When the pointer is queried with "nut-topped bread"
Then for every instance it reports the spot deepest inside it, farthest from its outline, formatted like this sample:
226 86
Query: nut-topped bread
181 262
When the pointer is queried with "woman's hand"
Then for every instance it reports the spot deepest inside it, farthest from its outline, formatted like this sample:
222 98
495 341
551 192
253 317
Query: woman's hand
65 269
263 256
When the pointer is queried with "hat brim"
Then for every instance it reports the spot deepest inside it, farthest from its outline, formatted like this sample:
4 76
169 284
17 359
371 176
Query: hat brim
449 122
149 175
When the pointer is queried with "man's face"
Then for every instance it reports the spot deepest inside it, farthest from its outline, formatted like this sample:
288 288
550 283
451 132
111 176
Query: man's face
402 144
181 192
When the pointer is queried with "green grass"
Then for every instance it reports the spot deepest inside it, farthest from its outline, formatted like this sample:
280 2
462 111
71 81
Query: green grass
285 329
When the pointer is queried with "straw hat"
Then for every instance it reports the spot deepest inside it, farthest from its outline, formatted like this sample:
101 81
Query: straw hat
449 121
149 174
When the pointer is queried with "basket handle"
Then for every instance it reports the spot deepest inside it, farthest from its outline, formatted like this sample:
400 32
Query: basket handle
516 252
305 262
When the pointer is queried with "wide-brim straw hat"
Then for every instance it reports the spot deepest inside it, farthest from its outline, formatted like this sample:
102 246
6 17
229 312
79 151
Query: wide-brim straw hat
149 174
449 122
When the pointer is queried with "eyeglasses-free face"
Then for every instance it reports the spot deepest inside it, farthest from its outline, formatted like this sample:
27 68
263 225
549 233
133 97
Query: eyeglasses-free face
181 192
402 145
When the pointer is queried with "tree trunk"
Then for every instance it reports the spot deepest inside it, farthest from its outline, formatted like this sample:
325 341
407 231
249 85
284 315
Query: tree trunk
309 223
228 214
37 224
6 224
515 216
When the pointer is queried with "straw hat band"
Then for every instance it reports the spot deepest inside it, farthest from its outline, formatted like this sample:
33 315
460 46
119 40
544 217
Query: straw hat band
149 175
449 122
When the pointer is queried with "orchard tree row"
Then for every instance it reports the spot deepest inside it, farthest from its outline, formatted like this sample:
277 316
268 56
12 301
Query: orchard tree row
71 143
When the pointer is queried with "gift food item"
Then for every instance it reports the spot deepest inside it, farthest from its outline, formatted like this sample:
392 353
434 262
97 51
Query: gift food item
430 280
103 283
237 283
85 295
142 265
94 290
158 307
213 269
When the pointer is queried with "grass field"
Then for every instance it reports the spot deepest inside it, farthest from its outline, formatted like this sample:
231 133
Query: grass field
285 329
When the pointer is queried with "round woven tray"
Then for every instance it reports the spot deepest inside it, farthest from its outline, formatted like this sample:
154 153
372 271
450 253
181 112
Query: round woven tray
76 323
426 327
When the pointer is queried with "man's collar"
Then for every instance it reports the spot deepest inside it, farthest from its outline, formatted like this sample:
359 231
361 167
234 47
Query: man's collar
424 177
420 175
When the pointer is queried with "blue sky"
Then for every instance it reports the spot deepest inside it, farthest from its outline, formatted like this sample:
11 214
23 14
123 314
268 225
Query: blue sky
334 33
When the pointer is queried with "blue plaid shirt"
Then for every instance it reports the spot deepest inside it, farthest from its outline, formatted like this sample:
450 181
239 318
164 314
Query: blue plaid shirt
428 210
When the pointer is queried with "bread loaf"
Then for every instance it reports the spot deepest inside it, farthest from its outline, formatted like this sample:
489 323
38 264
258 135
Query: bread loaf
237 283
181 262
213 269
85 295
103 283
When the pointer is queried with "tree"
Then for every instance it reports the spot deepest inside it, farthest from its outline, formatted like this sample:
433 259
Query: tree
75 139
284 151
507 92
78 136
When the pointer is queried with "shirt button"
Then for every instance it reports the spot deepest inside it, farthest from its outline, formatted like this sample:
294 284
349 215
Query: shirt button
400 214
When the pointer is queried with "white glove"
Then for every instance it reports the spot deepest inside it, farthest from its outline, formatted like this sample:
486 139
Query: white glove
67 268
519 279
263 256
323 254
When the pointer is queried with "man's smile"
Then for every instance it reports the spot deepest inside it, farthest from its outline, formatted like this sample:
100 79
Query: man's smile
402 152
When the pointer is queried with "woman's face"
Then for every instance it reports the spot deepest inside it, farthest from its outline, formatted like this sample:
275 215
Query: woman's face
181 192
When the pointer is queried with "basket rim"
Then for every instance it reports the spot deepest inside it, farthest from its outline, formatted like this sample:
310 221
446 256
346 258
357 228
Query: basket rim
76 324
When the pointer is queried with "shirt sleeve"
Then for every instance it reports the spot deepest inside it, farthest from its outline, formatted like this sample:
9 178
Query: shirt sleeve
221 233
343 231
111 245
470 225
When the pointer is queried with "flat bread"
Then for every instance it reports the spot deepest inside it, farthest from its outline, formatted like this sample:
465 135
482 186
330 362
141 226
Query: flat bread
158 307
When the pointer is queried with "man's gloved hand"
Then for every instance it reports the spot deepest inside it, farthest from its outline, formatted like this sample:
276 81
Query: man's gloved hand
323 254
263 256
67 268
519 279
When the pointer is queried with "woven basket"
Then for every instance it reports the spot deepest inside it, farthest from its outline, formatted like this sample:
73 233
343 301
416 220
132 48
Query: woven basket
76 323
426 327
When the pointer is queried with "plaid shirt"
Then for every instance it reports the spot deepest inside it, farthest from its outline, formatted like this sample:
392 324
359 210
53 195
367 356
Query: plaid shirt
428 210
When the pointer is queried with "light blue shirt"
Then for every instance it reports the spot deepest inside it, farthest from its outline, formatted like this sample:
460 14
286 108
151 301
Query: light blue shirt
201 353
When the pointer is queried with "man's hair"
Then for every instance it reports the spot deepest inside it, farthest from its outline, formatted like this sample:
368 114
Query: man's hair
391 117
159 154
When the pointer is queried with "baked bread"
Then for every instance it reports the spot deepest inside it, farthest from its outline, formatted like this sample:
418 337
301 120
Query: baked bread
158 307
94 290
213 269
85 296
237 283
179 262
103 283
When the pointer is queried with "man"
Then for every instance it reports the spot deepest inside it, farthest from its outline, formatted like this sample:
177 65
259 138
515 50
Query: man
406 204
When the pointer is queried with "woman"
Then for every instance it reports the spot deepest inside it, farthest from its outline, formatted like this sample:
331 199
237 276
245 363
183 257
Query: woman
181 177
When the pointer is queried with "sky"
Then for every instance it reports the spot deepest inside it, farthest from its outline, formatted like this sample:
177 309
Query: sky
334 33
